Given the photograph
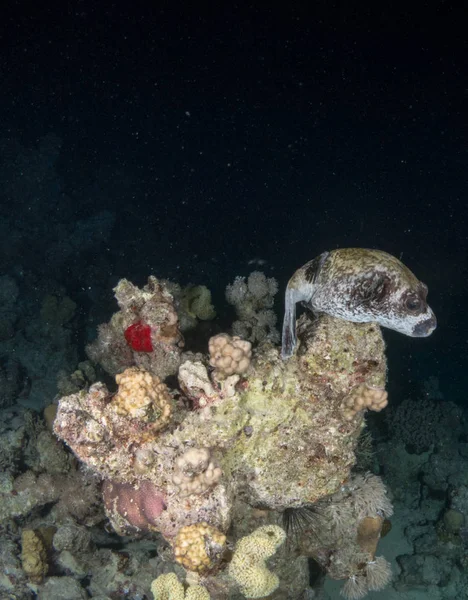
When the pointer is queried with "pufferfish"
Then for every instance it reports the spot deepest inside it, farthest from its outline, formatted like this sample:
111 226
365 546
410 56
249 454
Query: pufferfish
359 285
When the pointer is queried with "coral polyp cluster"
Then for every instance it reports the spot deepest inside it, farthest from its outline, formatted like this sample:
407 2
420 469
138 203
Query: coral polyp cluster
213 462
144 397
199 547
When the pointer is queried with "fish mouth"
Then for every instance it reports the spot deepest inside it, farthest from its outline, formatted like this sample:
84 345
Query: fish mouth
425 328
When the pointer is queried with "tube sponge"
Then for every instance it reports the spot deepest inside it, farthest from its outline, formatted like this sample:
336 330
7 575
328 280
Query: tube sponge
248 566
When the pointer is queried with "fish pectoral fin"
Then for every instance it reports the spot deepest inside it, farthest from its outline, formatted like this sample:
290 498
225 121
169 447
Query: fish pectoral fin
289 338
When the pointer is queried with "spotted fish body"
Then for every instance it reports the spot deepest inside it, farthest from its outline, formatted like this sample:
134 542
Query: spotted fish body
359 285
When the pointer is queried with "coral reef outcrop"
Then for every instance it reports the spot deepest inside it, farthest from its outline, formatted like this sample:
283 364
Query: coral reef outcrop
244 438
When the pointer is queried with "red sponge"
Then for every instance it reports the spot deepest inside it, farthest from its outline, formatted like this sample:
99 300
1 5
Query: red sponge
138 337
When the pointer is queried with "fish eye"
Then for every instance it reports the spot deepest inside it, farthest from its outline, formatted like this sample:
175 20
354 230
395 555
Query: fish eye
413 304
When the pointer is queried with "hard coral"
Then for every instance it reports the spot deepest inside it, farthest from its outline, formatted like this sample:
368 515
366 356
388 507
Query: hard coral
168 587
196 384
106 431
199 547
229 355
144 397
71 494
421 423
204 389
362 398
196 472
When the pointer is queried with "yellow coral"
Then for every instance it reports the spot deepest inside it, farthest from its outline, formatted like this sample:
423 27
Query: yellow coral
196 300
168 587
198 547
197 592
248 566
33 555
143 396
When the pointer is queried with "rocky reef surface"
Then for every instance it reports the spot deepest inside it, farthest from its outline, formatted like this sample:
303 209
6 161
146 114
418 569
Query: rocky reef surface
222 474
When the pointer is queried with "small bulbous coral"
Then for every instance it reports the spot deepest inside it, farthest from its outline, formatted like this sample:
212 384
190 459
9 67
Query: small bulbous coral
197 592
229 355
248 566
133 506
362 398
168 587
195 472
199 547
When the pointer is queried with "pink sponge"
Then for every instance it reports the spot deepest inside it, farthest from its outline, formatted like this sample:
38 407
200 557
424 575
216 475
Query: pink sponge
139 505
